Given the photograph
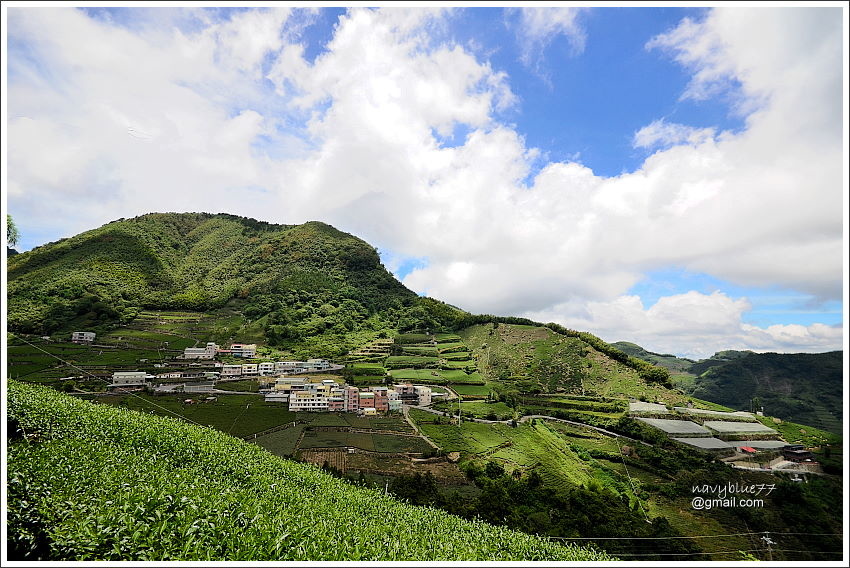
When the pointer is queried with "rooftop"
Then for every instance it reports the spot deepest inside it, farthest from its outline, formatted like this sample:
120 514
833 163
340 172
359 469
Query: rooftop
647 407
743 427
673 427
705 443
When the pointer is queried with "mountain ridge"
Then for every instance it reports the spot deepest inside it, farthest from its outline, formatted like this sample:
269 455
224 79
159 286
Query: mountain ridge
801 387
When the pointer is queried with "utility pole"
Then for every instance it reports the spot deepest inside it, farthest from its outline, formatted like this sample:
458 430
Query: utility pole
768 542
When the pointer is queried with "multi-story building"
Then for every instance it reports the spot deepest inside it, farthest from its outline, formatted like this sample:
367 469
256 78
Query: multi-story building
247 350
352 398
83 337
309 400
366 400
231 370
265 369
423 395
381 401
315 365
207 352
336 400
407 394
249 370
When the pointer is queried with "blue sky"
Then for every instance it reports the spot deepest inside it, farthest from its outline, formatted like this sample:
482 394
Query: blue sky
669 176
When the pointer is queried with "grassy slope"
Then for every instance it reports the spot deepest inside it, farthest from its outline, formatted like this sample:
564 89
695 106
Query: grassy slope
137 487
536 357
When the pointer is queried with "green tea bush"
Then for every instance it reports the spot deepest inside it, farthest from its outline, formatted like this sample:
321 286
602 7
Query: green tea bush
91 482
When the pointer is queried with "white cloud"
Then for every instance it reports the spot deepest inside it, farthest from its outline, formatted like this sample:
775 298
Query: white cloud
176 120
691 325
539 26
660 133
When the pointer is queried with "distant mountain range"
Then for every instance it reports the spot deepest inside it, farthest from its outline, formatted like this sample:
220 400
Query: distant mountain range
802 387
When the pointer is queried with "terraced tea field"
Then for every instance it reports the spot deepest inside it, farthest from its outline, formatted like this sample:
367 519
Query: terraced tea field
149 488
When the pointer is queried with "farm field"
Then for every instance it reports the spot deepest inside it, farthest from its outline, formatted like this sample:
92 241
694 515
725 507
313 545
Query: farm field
282 443
238 415
30 362
472 390
435 376
73 478
536 359
402 361
245 385
371 442
529 446
479 409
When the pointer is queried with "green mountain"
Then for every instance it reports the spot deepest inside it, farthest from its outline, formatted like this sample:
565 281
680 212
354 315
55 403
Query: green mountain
675 365
806 388
286 282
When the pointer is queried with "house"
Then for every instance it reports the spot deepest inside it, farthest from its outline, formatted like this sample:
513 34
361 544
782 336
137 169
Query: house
266 369
249 370
207 352
797 455
246 350
202 386
277 396
310 400
83 337
231 370
316 365
129 379
423 395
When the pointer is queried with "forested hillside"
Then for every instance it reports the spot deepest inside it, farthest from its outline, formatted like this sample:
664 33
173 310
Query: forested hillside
290 282
801 387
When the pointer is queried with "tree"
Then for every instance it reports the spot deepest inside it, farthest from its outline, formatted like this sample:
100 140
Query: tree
12 234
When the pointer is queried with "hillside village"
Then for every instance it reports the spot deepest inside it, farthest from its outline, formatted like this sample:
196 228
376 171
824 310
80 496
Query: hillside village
736 438
277 381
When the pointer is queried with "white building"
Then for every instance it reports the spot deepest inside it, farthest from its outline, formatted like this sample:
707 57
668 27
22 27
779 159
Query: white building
247 350
308 400
266 369
129 379
316 365
231 370
249 370
83 336
423 395
207 352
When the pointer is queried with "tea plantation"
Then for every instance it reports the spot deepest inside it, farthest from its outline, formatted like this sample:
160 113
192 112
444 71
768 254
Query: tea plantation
91 482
